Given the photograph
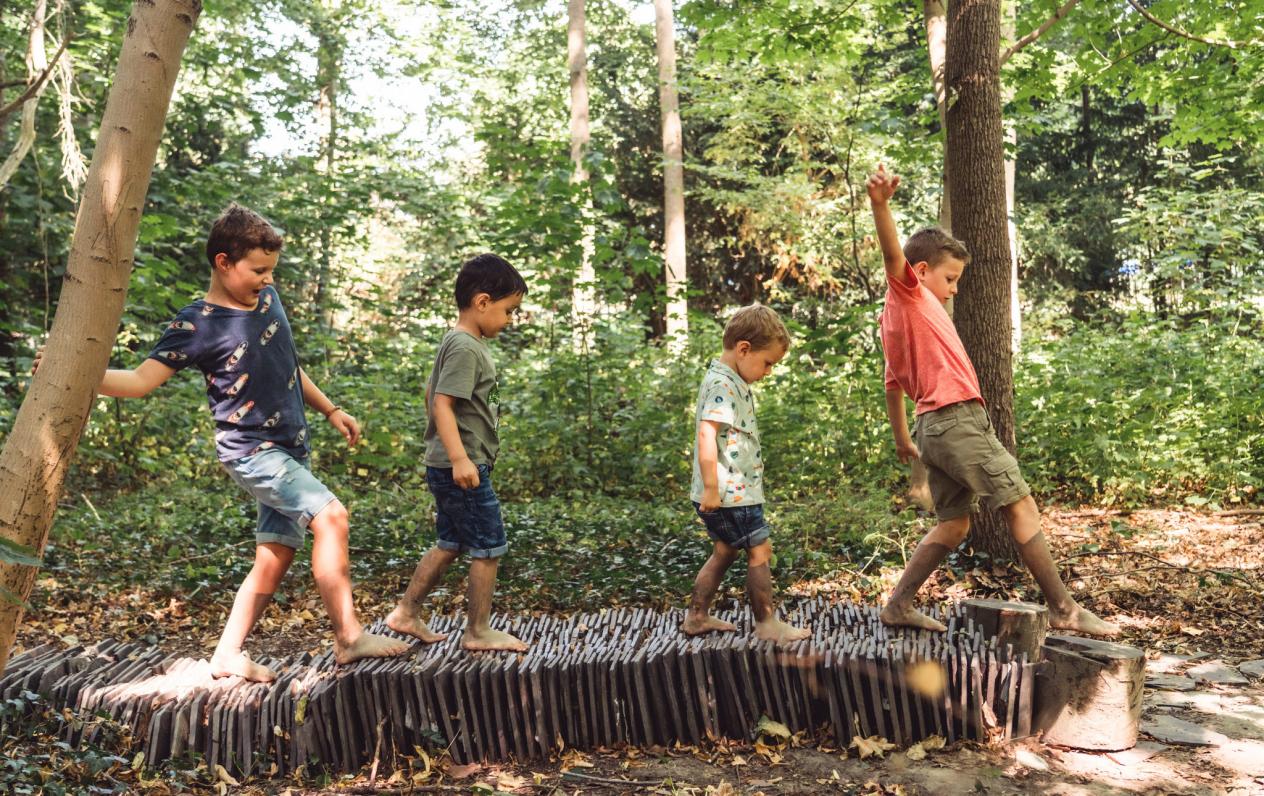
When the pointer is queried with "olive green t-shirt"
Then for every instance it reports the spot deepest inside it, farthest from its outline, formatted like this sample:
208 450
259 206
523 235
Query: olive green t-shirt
464 370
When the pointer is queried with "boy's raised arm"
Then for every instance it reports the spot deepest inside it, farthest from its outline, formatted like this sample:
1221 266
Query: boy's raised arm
137 382
881 187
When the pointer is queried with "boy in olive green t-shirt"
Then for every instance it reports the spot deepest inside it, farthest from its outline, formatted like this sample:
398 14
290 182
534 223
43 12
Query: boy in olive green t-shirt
461 448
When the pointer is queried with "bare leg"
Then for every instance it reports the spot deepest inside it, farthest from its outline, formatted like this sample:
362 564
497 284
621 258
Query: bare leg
478 633
698 619
919 486
759 591
332 572
406 618
926 559
1064 612
272 560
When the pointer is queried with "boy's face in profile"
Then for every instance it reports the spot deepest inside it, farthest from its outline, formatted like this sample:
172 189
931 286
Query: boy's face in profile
754 364
941 279
492 316
245 279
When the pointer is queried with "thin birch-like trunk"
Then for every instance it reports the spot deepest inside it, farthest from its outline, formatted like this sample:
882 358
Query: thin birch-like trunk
673 177
38 452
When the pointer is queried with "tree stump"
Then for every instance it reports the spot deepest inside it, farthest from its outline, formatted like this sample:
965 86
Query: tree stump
1088 693
1021 625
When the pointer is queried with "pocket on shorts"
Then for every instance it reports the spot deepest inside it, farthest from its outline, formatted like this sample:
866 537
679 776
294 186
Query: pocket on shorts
938 426
1002 471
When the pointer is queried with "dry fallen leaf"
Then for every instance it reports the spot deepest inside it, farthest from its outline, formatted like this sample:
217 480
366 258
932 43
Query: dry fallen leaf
773 728
915 752
510 782
933 744
873 745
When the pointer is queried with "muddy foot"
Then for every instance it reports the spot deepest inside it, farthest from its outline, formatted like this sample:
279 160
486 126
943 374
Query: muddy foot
369 645
779 632
1083 621
909 617
697 626
492 640
403 622
240 665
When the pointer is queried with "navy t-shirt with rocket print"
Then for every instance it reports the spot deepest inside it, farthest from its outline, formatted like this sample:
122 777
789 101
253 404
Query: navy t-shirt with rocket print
251 370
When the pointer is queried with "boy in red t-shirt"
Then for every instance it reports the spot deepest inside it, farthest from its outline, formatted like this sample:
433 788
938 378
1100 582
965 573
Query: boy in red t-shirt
955 439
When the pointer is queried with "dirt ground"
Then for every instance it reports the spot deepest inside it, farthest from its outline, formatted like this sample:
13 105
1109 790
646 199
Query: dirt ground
1185 585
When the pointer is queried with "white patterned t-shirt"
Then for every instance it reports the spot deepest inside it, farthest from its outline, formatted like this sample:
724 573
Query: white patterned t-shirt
725 398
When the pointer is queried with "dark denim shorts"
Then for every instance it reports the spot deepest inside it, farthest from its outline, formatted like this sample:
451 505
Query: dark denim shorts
467 520
736 526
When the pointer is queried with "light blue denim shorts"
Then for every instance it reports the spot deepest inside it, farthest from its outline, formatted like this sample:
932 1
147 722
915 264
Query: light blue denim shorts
289 496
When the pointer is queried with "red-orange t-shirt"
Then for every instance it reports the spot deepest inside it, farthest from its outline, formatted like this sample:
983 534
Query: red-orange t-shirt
924 355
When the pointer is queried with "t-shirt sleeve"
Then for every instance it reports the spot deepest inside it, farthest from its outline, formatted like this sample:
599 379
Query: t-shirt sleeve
458 373
181 344
888 377
904 288
719 404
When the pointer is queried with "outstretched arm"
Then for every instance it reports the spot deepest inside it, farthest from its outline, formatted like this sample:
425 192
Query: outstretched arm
904 446
136 383
881 187
464 471
347 425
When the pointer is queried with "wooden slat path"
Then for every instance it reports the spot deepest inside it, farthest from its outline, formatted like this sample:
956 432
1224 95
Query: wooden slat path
622 675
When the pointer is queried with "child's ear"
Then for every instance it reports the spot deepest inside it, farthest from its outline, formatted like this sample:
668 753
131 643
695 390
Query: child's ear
221 260
920 268
742 347
481 300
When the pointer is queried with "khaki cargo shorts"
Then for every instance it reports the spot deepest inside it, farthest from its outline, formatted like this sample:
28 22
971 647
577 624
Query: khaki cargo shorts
965 461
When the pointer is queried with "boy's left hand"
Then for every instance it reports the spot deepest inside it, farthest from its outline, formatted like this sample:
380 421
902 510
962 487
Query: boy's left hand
347 425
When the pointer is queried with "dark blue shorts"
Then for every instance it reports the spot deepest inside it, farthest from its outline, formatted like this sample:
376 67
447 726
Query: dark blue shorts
736 526
467 520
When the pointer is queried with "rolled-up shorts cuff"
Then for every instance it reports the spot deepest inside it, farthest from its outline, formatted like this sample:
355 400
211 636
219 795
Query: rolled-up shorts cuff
472 552
1010 497
742 527
287 539
305 519
956 512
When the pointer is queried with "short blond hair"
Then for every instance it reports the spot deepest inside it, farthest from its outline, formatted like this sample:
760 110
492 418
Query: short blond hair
758 325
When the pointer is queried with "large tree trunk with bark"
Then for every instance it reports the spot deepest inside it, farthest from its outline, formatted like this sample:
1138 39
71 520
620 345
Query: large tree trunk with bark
976 161
583 294
935 17
673 175
37 453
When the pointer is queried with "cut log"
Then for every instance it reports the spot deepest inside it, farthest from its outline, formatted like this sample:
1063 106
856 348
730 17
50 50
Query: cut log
1021 625
1088 693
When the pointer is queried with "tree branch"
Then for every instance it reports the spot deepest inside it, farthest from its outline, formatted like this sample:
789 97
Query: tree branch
1040 31
36 86
1143 11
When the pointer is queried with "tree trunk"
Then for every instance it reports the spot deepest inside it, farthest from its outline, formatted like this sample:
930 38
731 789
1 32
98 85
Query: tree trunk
37 453
1011 167
937 49
36 63
583 294
673 176
976 160
331 47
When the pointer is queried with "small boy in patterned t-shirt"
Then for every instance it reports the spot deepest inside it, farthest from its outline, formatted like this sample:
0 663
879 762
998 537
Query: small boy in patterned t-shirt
240 339
728 473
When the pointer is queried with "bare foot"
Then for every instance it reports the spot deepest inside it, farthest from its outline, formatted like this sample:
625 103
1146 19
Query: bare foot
1083 621
698 625
492 640
403 622
240 665
779 632
909 617
369 645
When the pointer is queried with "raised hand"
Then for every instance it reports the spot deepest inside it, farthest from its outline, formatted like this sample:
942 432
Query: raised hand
881 186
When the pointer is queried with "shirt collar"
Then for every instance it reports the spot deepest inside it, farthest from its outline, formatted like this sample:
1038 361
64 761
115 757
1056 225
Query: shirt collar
724 370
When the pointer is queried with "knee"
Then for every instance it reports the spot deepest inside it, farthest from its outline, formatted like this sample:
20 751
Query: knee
1023 509
759 555
333 517
724 553
952 532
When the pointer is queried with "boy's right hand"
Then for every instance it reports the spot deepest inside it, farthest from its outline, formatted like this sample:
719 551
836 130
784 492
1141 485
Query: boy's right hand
907 451
881 186
465 474
710 500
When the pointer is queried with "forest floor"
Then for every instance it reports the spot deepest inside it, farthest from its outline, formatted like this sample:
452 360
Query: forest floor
1185 585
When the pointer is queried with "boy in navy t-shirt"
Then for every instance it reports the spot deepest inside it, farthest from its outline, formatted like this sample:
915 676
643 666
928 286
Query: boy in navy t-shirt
238 336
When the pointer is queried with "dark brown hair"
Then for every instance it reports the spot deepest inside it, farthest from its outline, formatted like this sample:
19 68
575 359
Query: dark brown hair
238 230
757 325
932 245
